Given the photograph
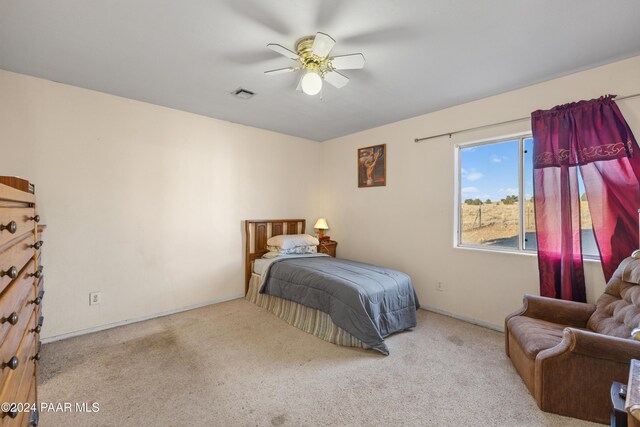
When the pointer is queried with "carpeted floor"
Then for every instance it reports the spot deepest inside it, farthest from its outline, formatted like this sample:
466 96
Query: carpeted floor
236 364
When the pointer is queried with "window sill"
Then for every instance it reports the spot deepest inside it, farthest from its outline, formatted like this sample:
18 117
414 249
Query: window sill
515 252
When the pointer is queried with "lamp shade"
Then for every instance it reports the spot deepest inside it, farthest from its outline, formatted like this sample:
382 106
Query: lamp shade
321 224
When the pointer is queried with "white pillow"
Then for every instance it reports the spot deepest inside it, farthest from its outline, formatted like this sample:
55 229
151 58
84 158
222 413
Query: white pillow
290 241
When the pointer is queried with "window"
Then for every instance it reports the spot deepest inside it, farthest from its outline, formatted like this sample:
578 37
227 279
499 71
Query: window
495 198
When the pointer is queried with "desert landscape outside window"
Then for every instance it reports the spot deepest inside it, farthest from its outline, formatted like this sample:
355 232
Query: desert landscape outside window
495 198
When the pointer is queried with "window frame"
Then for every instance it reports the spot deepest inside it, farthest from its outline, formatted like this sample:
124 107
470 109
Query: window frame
457 233
457 243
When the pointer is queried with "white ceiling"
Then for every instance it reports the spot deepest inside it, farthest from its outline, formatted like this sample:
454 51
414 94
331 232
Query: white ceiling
422 55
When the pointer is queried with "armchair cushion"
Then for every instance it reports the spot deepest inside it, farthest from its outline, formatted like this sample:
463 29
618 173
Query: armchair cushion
618 308
534 335
630 268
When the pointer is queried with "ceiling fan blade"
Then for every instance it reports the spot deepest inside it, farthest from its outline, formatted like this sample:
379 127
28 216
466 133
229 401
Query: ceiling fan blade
283 51
348 62
281 71
336 79
322 45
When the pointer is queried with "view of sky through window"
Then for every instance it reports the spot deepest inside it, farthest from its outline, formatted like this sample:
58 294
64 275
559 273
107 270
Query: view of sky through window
490 205
490 172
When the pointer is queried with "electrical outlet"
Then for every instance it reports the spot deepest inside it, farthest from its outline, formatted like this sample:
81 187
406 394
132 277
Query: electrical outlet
94 298
439 286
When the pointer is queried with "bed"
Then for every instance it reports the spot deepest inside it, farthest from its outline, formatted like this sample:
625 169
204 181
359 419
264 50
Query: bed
340 301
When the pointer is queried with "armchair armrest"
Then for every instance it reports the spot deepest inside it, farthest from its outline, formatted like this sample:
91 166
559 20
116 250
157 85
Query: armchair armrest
568 313
573 378
594 345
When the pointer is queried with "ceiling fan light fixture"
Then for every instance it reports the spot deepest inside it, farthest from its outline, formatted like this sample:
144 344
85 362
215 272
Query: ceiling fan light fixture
311 83
312 54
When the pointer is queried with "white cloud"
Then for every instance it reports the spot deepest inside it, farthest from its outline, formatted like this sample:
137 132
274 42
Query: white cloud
474 176
497 159
509 191
469 190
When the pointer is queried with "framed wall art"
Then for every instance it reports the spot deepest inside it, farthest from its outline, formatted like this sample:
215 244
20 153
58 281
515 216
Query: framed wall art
372 166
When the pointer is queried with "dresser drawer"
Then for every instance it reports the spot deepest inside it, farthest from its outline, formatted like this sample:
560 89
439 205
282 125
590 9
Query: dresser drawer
27 321
16 381
20 292
15 222
28 338
26 396
14 258
29 399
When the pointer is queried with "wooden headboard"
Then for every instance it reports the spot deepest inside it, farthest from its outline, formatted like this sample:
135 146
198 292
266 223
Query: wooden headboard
258 231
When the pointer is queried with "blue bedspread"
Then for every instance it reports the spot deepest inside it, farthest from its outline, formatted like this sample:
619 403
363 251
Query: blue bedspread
368 301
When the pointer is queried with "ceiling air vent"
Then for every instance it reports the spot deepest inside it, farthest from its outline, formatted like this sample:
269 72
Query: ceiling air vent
242 93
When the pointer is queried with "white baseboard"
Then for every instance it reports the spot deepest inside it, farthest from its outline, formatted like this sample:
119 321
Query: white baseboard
139 319
499 328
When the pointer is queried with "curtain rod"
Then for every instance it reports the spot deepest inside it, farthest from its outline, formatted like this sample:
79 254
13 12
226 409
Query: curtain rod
450 134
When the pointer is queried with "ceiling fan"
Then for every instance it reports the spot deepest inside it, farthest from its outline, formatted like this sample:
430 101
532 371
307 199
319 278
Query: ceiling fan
312 55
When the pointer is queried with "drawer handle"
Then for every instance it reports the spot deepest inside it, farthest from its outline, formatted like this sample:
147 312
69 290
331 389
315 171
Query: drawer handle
12 227
12 413
35 218
37 245
12 272
12 318
35 418
38 272
38 327
38 299
36 357
12 363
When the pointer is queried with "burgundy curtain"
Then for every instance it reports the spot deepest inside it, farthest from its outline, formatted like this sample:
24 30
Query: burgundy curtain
594 137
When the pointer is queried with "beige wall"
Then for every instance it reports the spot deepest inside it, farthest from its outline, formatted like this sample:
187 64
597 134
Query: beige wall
409 224
143 203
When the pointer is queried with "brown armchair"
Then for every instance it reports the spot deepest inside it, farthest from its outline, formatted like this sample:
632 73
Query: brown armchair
568 353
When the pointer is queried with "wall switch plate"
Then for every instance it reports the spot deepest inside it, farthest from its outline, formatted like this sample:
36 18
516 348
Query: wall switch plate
94 298
439 286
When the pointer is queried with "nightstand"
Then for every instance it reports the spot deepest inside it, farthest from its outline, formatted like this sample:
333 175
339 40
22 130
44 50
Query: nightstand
328 247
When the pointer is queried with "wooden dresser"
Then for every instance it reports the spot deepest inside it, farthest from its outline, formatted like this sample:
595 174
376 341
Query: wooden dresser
21 292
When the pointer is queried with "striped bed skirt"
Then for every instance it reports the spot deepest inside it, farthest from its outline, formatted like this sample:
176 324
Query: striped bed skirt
310 320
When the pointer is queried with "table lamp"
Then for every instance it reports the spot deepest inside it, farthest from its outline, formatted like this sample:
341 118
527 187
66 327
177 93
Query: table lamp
321 225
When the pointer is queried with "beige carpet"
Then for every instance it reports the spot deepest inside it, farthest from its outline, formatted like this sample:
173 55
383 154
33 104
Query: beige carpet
236 364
